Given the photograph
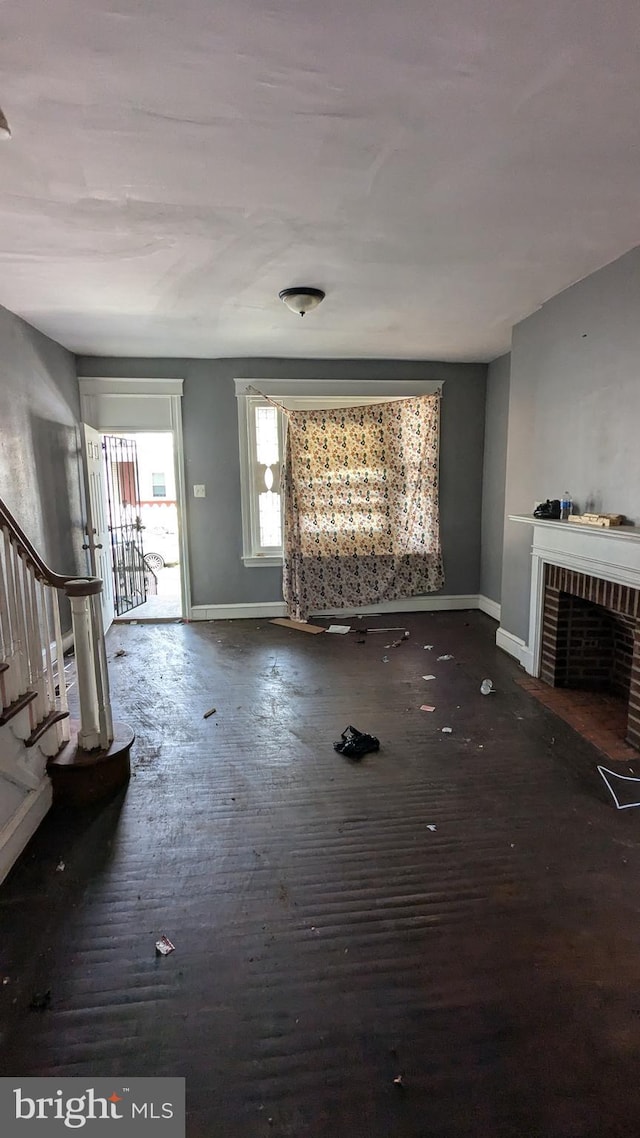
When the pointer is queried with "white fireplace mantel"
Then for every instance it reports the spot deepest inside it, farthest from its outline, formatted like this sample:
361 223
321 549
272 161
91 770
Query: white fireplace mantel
611 553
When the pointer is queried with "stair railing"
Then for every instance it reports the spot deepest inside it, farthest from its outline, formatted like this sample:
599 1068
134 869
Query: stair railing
33 690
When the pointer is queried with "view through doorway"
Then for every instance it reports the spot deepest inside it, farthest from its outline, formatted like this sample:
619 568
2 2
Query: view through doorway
157 510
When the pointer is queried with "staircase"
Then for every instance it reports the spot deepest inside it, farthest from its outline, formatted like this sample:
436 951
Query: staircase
44 757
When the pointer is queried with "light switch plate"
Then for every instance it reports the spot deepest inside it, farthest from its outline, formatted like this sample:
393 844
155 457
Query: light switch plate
199 491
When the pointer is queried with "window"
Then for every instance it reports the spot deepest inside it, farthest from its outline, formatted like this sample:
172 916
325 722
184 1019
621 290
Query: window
262 430
158 485
262 448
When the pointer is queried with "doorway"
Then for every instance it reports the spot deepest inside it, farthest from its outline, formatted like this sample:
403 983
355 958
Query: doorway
142 413
134 532
157 511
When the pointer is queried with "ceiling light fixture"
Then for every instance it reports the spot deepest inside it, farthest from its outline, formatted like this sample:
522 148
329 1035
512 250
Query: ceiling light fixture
301 299
5 129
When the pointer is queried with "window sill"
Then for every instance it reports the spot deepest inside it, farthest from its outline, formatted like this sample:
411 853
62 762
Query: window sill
255 562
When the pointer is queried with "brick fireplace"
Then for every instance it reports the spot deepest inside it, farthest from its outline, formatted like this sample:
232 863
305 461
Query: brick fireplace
583 647
591 638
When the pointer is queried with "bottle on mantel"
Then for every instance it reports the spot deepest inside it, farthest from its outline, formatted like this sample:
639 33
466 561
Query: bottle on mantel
566 506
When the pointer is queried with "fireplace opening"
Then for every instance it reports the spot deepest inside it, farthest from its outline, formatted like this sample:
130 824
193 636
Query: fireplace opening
591 643
594 648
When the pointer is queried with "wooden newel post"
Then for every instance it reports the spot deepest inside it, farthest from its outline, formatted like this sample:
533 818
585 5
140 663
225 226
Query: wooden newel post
95 709
100 763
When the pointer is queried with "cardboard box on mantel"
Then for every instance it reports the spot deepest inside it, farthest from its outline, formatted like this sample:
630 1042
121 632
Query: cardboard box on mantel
603 520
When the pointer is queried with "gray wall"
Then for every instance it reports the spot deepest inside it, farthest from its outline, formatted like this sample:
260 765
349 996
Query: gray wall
493 477
39 441
574 409
211 456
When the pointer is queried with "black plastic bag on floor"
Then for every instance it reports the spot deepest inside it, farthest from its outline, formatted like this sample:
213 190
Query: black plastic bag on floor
354 744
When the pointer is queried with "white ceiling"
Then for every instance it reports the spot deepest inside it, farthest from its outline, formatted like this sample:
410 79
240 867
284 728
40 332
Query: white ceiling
440 167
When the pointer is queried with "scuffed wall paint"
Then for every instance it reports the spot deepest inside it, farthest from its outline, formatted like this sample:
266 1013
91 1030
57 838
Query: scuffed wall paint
210 421
39 442
574 407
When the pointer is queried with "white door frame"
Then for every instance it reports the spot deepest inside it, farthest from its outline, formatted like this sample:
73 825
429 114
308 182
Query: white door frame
98 537
98 395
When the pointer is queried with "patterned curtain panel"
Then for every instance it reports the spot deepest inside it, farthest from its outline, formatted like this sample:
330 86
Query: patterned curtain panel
361 505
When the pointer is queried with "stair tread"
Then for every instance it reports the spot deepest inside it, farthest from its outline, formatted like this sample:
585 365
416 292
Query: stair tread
16 707
44 725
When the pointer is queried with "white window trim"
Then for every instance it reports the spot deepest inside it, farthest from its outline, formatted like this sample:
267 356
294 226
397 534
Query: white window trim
250 556
296 395
112 385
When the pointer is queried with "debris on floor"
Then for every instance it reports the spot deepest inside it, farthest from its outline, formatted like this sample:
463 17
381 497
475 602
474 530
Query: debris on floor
619 781
60 868
399 628
405 636
447 656
428 647
41 1001
399 1081
209 713
385 659
164 946
339 628
354 744
486 687
446 730
426 707
298 625
362 640
6 980
428 677
431 827
120 652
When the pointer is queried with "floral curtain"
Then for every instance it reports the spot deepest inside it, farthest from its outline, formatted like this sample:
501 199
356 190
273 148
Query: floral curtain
361 520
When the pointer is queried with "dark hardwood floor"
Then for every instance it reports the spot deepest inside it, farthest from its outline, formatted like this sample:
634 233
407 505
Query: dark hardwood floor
327 939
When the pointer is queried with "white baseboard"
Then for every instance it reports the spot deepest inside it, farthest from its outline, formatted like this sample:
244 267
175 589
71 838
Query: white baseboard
435 602
248 611
511 644
492 608
23 825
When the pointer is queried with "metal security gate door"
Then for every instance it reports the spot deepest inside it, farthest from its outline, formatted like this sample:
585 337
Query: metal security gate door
125 527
